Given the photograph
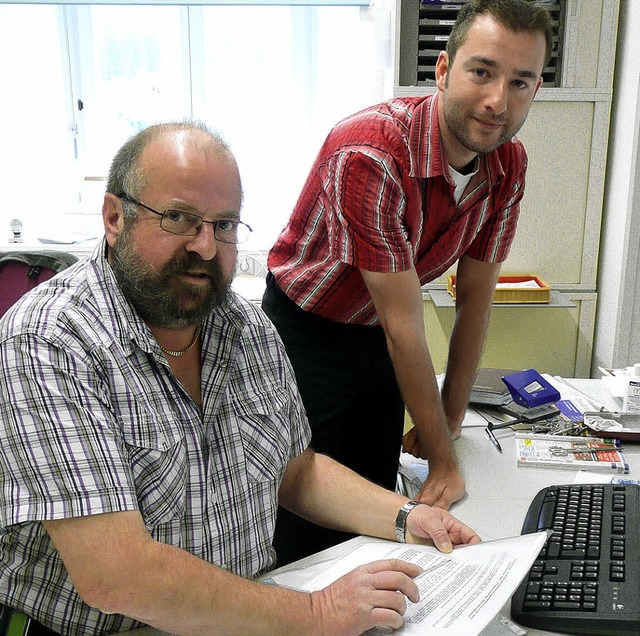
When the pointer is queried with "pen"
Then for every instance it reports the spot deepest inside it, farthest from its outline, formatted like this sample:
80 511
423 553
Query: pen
560 451
492 439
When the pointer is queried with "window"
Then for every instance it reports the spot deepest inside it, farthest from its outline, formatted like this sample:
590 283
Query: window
271 79
37 160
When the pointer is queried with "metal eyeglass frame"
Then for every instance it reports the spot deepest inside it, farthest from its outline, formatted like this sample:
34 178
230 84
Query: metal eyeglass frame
130 199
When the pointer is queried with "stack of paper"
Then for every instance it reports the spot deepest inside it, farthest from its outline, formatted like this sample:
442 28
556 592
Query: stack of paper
459 592
489 389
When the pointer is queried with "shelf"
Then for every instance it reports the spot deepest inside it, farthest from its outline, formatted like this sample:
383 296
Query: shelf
442 298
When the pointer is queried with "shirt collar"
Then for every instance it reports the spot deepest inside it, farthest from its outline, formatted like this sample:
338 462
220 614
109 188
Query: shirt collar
425 145
128 326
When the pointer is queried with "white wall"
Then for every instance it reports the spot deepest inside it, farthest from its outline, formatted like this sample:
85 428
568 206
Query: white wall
617 335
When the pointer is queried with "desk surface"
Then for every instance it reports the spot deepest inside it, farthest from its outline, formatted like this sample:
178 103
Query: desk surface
498 491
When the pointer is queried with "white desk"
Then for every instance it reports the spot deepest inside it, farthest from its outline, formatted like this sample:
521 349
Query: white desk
498 491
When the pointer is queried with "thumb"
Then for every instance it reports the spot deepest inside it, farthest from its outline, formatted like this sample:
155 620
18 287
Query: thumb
440 538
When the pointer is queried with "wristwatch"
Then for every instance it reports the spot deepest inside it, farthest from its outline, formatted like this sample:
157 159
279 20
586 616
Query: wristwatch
401 520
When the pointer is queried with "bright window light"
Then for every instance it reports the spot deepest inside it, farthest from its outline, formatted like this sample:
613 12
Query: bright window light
271 79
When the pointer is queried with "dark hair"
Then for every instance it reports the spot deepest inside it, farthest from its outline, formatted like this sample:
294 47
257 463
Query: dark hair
515 15
127 176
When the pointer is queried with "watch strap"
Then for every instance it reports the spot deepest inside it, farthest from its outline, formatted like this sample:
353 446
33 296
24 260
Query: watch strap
401 520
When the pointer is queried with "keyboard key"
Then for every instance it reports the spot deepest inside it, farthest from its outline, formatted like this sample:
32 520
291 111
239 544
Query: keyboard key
545 520
538 604
568 605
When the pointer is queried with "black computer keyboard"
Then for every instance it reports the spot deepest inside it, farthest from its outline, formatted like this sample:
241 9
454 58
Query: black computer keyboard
586 579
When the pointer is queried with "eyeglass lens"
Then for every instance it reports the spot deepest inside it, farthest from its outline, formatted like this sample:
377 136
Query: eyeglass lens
188 224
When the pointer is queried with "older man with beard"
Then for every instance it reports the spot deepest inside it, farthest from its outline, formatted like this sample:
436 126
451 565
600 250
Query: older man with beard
150 421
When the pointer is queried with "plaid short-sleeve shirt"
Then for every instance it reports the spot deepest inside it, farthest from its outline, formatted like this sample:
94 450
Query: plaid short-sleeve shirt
92 420
379 197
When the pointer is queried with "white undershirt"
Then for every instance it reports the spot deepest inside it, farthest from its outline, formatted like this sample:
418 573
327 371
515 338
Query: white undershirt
461 180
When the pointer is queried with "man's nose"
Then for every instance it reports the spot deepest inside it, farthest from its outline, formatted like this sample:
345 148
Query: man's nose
204 242
497 97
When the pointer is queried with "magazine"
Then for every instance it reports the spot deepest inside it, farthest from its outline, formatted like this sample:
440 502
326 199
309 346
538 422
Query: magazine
575 453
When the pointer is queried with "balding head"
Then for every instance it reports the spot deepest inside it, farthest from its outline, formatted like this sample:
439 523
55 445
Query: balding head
129 174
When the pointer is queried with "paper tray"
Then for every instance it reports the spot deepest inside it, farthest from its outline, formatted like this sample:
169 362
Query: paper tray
539 294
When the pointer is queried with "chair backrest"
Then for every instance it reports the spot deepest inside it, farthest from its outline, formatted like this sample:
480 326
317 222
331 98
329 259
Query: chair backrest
22 271
13 623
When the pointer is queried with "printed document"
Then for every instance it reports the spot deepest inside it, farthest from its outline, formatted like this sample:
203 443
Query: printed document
460 592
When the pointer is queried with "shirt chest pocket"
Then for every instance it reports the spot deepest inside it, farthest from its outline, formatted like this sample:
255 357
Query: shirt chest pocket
265 432
158 460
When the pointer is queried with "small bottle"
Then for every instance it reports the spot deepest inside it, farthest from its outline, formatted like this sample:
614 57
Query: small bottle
16 231
631 400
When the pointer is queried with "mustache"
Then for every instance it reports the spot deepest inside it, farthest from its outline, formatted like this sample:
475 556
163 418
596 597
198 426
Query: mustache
190 263
492 119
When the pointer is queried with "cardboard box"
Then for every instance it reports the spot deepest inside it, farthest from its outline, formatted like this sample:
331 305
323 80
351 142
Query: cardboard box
511 289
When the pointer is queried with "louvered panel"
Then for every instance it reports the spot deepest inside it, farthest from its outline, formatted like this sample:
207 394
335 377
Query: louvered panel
432 28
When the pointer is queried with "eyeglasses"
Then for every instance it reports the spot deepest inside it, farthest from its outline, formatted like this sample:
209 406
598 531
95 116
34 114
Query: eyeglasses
187 224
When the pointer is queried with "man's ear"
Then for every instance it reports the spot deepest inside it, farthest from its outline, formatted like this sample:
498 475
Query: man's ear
112 217
538 85
442 68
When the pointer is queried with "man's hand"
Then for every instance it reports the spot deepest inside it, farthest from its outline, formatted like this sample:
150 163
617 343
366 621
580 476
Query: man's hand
438 526
411 441
372 595
442 487
455 426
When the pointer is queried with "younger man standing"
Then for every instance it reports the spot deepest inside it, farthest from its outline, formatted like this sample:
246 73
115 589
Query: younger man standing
398 194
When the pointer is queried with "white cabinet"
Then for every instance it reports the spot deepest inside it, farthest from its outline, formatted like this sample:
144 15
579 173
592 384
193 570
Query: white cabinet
558 237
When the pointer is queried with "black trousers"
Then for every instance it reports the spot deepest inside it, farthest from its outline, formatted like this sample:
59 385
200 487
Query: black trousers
36 629
348 386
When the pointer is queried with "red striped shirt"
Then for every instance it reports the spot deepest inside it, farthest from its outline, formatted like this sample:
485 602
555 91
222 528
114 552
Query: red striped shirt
379 197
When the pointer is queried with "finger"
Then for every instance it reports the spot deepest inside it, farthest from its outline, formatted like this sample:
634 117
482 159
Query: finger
433 526
389 599
393 565
427 495
386 618
445 500
463 534
441 539
434 529
441 492
390 581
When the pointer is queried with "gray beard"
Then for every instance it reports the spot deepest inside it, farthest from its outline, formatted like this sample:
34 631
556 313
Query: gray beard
150 292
